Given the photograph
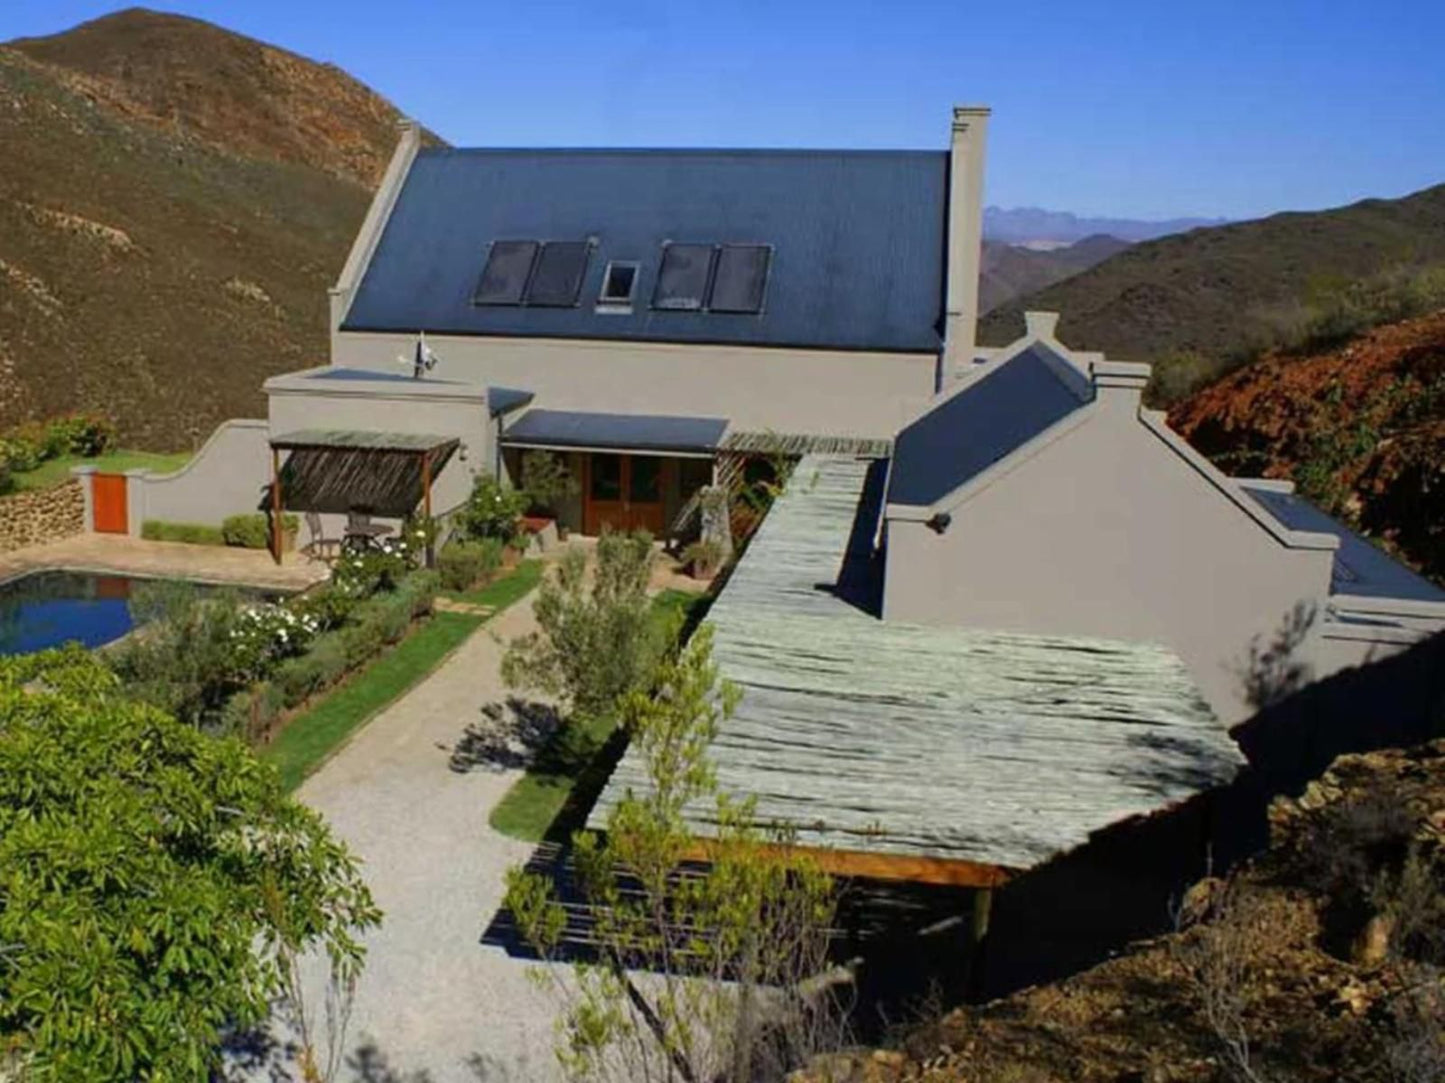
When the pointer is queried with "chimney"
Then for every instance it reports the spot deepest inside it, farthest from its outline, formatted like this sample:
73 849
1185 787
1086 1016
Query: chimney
1041 324
1119 384
965 236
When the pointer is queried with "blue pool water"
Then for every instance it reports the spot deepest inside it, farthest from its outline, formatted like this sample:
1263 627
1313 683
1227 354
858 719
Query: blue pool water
48 609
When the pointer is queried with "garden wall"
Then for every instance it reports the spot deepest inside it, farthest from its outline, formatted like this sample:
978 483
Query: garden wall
231 474
45 515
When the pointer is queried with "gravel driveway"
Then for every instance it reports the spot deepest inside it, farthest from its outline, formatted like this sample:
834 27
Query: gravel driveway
435 1004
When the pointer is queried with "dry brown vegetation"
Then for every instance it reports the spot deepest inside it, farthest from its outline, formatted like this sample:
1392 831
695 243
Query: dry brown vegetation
175 200
1318 960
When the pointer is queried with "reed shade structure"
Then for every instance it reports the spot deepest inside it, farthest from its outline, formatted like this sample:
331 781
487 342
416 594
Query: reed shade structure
935 755
389 474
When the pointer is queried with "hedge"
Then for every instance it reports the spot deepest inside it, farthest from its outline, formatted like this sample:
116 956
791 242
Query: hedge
250 531
464 564
191 533
373 625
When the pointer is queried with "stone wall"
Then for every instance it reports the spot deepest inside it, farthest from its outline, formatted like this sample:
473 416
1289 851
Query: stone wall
46 515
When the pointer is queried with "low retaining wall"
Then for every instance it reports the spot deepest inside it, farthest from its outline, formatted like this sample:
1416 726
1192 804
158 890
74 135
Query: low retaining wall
231 474
45 515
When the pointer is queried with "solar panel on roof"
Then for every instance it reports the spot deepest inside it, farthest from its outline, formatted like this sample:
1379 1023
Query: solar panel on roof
558 278
504 278
742 272
682 279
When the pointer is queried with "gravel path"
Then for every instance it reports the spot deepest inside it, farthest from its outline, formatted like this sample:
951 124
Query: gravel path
434 1004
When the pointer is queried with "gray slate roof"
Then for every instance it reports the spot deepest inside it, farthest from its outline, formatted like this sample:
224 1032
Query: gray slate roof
1360 568
640 432
994 416
858 236
959 743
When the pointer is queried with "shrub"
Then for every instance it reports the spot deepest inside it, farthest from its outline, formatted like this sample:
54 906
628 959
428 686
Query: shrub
546 480
87 435
251 531
706 556
190 533
22 454
7 478
492 511
159 883
595 642
464 564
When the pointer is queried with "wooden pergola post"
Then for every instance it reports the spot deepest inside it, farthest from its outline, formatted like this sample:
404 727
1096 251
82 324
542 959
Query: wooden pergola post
426 503
276 503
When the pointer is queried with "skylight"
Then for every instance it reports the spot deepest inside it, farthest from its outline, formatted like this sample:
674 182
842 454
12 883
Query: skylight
557 279
683 278
742 272
619 283
504 278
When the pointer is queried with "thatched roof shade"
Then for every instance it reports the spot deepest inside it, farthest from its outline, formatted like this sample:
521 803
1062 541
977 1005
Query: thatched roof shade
341 470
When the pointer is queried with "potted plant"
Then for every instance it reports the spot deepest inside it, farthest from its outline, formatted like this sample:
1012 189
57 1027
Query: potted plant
546 481
704 558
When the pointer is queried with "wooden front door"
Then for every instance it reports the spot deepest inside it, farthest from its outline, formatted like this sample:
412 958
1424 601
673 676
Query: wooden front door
107 494
623 492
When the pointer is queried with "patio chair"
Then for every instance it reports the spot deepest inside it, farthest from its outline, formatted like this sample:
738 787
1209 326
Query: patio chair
318 546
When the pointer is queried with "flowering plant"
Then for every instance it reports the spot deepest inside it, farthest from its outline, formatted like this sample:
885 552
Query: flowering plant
266 633
361 573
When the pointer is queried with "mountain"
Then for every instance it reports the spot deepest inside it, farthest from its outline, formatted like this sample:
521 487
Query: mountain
175 200
1010 271
1034 226
1229 290
1360 428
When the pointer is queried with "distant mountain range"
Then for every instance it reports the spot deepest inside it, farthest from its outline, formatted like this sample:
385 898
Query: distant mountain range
1211 296
1035 227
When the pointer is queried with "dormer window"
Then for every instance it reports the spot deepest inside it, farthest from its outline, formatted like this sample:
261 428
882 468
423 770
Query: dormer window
619 284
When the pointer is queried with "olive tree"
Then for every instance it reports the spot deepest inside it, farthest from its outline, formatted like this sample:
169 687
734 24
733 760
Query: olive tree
595 642
156 883
710 953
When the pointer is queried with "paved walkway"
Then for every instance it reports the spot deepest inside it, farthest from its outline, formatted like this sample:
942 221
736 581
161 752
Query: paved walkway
122 555
434 1004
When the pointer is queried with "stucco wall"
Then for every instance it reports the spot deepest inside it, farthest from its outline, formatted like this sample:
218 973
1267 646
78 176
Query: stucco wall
815 391
463 417
1107 531
231 474
45 515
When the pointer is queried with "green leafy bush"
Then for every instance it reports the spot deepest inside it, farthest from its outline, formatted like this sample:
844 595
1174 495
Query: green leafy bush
23 455
546 480
466 564
595 641
190 533
87 435
159 885
493 510
252 531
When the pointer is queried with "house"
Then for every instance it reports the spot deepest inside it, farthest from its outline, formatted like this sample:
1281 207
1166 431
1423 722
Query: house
1039 495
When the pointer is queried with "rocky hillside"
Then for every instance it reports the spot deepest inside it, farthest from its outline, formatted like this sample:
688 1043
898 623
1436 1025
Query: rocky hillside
1321 959
175 200
1360 428
1010 271
1223 292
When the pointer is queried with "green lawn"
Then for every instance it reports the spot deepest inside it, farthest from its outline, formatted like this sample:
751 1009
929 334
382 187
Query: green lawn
312 736
55 471
502 592
553 798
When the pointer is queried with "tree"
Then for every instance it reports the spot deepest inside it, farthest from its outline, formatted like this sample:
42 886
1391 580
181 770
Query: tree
546 479
595 642
708 973
154 881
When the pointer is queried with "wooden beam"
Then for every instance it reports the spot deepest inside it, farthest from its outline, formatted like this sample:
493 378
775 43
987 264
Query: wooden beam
426 503
909 868
276 503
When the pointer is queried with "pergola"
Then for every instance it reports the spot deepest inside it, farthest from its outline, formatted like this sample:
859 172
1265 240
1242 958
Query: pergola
341 470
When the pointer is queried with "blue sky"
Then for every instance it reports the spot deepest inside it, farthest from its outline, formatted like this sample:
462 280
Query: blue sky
1136 109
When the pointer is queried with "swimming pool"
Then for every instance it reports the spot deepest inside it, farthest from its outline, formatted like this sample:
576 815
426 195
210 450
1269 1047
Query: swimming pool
48 609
